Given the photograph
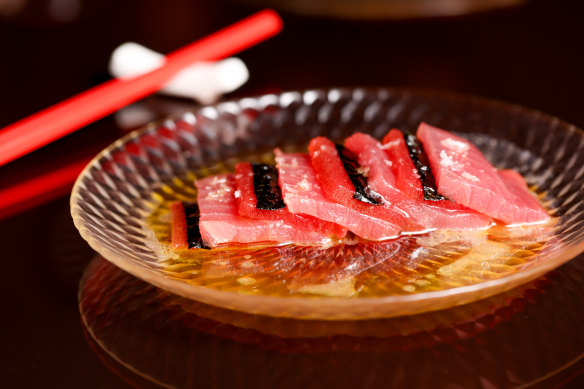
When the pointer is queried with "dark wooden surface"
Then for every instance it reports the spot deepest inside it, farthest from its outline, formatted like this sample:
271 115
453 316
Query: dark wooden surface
530 55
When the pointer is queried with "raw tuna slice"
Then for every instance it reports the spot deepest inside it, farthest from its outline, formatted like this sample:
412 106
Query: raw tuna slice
338 187
517 185
398 182
303 194
179 226
220 221
404 174
185 226
244 176
465 176
408 179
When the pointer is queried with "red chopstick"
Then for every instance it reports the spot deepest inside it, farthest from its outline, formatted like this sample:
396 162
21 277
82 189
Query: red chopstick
40 188
76 112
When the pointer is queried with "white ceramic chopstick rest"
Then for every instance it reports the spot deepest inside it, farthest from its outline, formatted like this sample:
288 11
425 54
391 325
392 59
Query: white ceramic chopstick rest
204 82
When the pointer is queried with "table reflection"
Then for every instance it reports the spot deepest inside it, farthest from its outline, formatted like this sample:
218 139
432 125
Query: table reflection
529 336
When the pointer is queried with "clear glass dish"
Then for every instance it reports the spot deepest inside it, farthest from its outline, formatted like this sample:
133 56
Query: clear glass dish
119 201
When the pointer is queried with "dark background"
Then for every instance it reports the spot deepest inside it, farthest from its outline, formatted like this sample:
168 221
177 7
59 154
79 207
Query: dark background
531 55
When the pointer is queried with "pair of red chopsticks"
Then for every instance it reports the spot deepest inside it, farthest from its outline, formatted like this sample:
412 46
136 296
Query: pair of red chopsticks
78 111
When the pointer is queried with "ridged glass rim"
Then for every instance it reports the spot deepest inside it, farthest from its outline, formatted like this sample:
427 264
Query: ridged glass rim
332 308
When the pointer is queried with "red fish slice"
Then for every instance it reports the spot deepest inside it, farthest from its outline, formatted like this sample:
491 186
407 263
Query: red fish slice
465 176
220 221
392 174
248 208
303 193
337 187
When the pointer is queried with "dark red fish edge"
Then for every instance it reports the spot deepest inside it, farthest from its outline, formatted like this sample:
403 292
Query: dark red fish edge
363 191
266 188
193 236
422 164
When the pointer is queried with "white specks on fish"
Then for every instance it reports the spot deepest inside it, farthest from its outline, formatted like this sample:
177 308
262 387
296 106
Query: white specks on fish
391 144
470 177
455 145
219 193
326 149
363 170
304 185
218 180
448 161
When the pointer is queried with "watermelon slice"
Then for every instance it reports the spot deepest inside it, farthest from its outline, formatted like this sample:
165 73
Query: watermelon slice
464 175
338 187
303 194
220 221
244 176
398 182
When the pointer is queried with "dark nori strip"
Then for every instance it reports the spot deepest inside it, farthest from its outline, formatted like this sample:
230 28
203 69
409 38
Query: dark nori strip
420 160
192 215
266 188
362 190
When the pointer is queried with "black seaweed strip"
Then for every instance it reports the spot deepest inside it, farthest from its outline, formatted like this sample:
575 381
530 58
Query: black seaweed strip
266 188
420 160
192 215
362 190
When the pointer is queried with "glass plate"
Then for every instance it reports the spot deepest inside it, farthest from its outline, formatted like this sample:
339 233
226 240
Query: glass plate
119 201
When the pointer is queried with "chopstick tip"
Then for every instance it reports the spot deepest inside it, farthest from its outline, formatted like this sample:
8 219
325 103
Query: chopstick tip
273 17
